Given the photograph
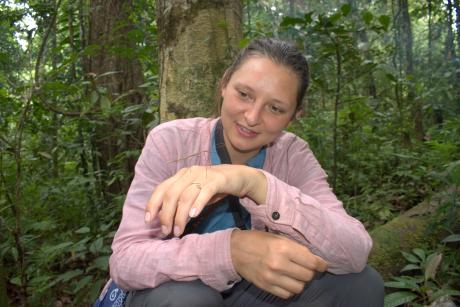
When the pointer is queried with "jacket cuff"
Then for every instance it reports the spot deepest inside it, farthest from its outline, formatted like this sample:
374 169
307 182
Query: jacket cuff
221 274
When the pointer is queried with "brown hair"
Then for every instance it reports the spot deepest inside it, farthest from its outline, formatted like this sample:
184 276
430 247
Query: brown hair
279 52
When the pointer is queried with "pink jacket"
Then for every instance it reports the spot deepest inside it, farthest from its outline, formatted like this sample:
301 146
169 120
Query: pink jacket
307 210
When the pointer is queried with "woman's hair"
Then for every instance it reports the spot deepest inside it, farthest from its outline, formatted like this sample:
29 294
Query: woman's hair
280 52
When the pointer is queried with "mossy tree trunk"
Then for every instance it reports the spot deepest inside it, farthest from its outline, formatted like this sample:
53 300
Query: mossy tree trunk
197 40
419 227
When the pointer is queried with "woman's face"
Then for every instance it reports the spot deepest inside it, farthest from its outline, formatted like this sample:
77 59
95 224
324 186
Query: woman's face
259 101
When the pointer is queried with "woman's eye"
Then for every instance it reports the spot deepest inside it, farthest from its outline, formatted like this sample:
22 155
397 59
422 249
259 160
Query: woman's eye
243 95
275 109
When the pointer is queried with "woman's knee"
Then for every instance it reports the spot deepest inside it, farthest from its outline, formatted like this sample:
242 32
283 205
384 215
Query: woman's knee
362 289
177 294
367 287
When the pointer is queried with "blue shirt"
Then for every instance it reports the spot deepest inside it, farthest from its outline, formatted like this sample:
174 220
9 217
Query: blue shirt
222 217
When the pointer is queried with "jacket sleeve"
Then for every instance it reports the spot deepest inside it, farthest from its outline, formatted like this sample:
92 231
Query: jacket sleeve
304 208
141 258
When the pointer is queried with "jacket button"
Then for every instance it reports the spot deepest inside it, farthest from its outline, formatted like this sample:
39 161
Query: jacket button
275 215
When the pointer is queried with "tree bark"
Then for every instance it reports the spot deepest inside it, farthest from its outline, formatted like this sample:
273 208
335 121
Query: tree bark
109 28
197 40
450 46
457 22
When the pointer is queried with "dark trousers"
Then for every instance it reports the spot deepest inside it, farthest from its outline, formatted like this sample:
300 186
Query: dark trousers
355 290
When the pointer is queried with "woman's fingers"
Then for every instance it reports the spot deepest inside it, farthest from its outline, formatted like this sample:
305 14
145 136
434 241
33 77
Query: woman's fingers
304 257
207 193
184 204
289 284
298 272
185 195
156 200
280 292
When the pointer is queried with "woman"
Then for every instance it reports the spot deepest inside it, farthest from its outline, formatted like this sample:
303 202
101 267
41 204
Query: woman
241 213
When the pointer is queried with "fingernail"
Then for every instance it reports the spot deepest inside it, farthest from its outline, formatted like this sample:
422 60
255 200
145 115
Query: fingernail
164 230
192 212
176 231
147 218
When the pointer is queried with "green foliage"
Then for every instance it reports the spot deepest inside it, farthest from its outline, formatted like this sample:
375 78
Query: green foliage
428 276
69 206
57 215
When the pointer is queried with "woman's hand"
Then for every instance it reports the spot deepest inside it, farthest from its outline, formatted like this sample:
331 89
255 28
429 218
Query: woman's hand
185 194
274 263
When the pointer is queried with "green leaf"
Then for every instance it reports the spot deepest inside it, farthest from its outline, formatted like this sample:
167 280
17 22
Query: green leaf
133 108
105 104
398 298
96 246
334 18
84 229
410 257
54 248
45 155
16 281
243 42
291 21
82 283
385 21
69 275
307 17
367 17
398 285
346 8
432 265
101 263
391 77
420 253
405 282
453 169
451 238
43 226
410 267
445 292
94 97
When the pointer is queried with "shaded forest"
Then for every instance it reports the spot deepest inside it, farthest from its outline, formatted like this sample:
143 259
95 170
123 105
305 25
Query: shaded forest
80 87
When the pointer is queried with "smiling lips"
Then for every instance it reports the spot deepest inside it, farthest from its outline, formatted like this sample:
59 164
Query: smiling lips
245 132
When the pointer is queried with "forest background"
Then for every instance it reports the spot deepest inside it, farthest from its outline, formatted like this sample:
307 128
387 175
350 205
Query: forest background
80 87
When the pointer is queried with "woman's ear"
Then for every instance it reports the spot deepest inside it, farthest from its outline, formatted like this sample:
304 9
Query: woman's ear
298 114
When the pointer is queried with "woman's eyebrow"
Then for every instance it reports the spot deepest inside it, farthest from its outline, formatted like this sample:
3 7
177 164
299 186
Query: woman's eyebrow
246 87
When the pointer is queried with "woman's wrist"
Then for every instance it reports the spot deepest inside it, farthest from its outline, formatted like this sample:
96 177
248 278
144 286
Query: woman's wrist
257 185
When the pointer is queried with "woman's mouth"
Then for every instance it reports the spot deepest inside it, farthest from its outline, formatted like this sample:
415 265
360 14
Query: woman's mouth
246 132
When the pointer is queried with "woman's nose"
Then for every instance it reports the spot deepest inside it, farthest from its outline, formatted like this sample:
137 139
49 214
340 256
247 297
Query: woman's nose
253 115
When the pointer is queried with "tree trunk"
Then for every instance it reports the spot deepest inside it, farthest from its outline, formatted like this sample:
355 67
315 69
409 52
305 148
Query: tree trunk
450 46
457 22
197 40
361 36
416 104
109 28
397 60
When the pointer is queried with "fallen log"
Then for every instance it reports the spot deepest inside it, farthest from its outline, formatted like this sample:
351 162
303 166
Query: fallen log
418 227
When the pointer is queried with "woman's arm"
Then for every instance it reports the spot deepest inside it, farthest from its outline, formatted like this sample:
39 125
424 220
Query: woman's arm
304 208
141 258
